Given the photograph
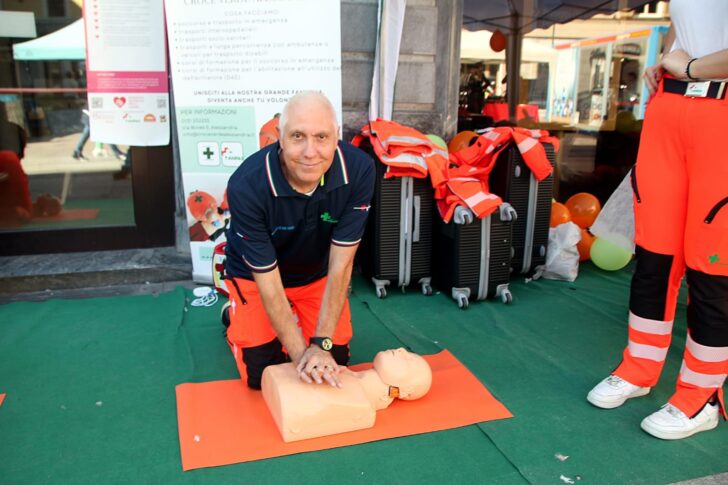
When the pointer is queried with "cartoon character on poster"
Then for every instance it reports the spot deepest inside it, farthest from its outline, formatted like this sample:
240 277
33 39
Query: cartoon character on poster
211 218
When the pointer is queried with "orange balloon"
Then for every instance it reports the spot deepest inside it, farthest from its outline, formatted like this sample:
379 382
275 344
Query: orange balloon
584 208
497 41
461 141
559 214
584 246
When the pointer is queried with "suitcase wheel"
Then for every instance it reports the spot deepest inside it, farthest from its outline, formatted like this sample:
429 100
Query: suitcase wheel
506 297
426 289
380 287
462 302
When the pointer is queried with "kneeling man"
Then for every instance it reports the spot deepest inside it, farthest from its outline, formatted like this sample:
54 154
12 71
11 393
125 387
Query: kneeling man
298 211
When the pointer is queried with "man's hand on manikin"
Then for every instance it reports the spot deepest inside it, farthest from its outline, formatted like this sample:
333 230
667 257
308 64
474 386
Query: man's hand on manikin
317 365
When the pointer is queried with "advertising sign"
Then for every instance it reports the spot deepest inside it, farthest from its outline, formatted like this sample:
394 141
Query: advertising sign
234 65
126 63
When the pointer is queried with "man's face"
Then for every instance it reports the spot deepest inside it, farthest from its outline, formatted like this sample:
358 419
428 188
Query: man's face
308 143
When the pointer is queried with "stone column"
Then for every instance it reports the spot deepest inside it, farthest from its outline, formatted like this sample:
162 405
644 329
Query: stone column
426 92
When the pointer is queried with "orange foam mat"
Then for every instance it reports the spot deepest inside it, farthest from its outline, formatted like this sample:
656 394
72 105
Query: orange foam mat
224 422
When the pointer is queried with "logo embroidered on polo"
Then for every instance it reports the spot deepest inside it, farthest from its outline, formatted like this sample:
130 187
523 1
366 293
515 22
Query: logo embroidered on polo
326 217
282 228
715 259
362 207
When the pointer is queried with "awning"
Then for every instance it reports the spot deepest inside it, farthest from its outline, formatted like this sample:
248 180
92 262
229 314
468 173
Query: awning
535 14
475 46
67 43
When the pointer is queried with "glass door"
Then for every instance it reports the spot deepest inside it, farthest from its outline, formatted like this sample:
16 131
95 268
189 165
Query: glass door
61 190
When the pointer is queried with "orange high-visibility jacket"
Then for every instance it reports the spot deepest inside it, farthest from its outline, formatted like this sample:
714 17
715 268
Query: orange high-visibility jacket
469 181
405 151
409 153
529 142
468 185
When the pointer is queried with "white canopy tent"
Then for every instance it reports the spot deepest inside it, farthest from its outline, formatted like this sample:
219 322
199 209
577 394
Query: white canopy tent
68 43
475 46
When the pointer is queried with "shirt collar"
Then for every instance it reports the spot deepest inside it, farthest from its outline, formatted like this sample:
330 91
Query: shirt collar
278 184
335 177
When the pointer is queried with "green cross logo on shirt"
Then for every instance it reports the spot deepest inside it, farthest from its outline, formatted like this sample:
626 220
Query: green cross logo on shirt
326 217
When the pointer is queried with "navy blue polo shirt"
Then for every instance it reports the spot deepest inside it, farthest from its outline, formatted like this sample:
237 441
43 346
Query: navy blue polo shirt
272 225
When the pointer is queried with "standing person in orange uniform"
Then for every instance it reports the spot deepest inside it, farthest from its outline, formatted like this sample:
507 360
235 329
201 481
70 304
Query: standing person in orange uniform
680 187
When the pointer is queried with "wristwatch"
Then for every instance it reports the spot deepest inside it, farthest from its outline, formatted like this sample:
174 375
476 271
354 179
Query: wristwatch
324 342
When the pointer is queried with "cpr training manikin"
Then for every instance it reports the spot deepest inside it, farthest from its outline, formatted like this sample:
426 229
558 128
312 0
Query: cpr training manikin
302 411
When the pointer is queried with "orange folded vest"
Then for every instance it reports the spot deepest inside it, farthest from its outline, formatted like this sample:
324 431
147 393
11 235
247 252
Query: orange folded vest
405 151
468 181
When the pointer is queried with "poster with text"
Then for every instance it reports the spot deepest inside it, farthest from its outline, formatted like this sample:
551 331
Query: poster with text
562 96
234 66
126 63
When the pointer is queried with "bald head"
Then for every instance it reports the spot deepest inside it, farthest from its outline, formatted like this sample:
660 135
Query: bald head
309 135
304 101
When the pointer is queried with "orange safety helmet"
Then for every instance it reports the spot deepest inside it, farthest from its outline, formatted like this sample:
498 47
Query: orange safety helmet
199 203
461 141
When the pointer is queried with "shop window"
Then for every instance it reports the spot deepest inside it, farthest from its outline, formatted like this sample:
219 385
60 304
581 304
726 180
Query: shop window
600 135
55 178
73 181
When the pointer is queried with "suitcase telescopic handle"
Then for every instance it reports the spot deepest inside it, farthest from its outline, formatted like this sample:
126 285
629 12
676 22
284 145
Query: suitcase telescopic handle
416 217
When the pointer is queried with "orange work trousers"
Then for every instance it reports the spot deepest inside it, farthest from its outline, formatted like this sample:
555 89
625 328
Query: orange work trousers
680 185
251 329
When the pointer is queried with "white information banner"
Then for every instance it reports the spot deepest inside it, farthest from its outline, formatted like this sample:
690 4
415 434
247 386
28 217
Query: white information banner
234 65
128 88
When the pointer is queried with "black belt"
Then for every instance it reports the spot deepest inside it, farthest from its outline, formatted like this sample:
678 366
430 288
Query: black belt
716 89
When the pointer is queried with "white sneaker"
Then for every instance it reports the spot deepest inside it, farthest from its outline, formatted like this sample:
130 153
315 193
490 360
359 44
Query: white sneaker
613 391
669 423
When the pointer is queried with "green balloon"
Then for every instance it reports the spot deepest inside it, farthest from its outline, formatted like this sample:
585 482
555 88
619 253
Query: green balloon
608 256
437 141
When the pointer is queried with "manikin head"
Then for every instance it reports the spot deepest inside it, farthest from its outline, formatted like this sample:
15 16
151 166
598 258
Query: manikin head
308 134
408 372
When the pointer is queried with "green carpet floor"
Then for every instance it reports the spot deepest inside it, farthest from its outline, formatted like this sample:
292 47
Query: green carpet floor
90 387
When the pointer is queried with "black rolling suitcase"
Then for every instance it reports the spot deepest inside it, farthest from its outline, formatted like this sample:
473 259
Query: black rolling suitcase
397 245
474 255
513 181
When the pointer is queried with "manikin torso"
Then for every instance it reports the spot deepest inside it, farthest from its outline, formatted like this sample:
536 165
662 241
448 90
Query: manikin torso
303 411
